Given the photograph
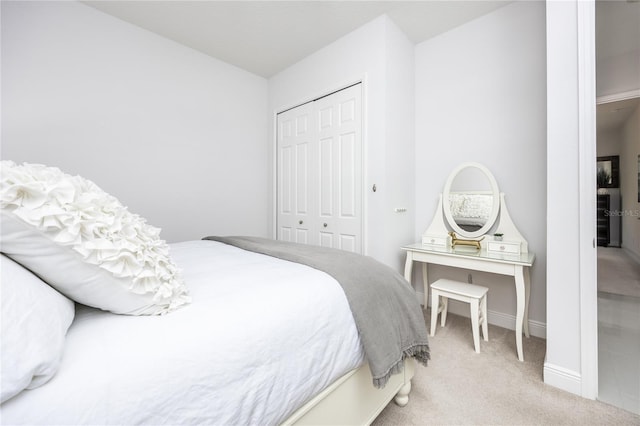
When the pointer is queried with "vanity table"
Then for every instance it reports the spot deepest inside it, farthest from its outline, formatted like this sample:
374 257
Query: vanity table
471 209
516 266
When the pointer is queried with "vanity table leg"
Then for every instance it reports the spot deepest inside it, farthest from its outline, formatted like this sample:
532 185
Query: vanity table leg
527 294
520 302
425 283
408 267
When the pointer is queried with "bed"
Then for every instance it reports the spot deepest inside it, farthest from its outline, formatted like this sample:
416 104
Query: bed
221 334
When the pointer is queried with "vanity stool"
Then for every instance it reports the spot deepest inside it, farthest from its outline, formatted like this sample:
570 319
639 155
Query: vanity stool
474 295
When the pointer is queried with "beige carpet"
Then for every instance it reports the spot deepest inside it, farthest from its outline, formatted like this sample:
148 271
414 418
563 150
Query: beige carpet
460 387
618 273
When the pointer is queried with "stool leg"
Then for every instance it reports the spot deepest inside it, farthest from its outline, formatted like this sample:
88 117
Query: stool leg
474 324
445 306
485 320
435 306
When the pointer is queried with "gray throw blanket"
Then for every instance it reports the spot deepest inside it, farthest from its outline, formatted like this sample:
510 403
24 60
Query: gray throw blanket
384 306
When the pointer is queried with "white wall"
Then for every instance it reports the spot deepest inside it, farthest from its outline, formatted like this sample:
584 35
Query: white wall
608 142
571 358
480 96
563 342
629 169
177 136
399 147
618 74
382 57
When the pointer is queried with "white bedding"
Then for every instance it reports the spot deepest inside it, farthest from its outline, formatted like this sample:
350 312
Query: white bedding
261 337
470 209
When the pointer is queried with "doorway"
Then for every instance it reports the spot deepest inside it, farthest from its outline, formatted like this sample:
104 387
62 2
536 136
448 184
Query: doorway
618 280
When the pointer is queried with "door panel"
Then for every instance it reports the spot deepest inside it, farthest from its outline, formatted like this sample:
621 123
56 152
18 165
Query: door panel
348 242
348 166
326 177
301 181
285 183
302 235
326 239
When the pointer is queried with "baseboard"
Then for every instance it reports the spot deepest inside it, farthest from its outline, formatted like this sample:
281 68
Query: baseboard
561 378
500 319
536 328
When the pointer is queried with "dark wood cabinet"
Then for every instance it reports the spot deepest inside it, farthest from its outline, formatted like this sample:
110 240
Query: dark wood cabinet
602 220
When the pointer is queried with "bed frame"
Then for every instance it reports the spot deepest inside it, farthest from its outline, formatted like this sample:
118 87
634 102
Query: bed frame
353 400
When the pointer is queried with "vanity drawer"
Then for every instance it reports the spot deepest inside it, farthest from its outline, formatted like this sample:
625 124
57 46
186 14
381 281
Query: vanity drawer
435 240
510 247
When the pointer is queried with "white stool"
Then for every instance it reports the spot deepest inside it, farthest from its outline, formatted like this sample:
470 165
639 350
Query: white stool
474 295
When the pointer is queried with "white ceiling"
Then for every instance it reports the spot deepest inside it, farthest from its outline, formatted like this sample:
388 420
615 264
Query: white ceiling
265 37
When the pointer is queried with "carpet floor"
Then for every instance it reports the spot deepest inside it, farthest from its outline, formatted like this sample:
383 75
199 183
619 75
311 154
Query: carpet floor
461 387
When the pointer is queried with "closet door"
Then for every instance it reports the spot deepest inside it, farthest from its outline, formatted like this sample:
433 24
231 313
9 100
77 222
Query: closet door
297 212
340 169
320 172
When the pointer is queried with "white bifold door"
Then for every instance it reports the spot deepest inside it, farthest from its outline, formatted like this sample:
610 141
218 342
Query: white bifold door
319 172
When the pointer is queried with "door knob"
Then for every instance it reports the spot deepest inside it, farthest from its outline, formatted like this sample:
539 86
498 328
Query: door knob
325 225
300 222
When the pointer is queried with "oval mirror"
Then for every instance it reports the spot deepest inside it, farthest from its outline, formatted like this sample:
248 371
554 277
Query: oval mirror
471 200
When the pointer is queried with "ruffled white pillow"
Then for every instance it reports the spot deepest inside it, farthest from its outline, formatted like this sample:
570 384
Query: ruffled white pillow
85 243
35 320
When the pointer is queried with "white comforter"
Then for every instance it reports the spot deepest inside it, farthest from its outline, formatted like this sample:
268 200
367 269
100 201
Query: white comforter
261 337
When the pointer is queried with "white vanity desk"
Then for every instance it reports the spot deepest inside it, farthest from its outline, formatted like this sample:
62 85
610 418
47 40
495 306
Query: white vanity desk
516 266
472 210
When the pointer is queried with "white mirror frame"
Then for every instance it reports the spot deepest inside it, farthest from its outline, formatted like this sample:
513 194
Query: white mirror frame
446 206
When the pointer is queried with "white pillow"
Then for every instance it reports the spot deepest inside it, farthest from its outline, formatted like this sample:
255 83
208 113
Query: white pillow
35 319
83 242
